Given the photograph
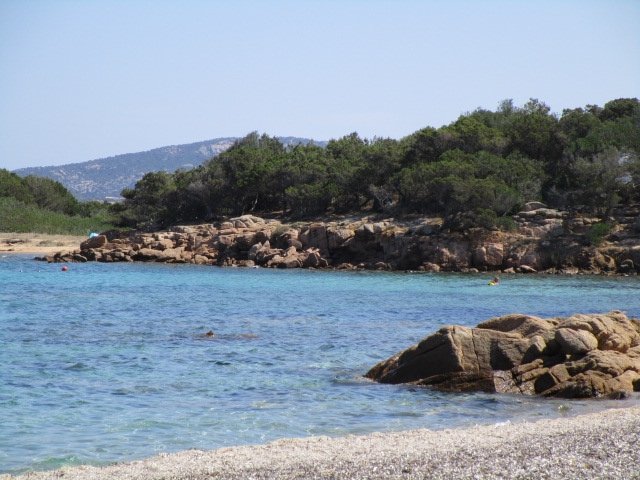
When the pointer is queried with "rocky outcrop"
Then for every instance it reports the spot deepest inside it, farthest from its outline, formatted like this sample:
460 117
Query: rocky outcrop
542 240
574 357
243 241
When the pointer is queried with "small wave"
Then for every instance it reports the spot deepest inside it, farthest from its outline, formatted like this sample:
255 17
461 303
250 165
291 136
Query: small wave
407 413
265 405
502 424
221 363
211 336
136 390
52 463
350 380
78 366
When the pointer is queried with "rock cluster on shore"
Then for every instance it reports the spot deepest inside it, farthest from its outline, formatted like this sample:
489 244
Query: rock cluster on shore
542 240
574 357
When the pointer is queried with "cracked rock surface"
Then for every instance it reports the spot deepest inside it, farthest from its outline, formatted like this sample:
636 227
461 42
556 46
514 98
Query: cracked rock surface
580 356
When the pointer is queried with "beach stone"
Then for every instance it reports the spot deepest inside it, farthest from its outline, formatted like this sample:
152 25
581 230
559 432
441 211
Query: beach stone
244 241
150 254
430 267
262 235
530 206
290 263
200 260
580 356
526 269
337 237
253 251
162 244
575 341
316 237
453 350
490 255
94 242
626 266
79 258
312 260
526 325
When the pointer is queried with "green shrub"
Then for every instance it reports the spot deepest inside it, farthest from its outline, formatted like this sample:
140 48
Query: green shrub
18 217
598 232
506 224
486 218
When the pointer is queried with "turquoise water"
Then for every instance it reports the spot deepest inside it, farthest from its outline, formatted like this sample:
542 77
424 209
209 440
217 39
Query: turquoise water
109 362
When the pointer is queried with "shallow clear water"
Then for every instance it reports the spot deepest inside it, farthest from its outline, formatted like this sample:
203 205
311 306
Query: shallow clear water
109 362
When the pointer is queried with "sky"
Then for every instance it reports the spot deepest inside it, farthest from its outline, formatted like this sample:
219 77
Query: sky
81 80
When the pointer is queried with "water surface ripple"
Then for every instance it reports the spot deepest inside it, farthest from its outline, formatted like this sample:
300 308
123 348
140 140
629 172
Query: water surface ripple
111 362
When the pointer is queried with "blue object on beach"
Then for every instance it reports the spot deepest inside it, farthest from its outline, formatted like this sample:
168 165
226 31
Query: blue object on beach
93 234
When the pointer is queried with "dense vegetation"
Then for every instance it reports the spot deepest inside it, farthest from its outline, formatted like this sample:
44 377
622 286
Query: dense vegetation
477 170
37 204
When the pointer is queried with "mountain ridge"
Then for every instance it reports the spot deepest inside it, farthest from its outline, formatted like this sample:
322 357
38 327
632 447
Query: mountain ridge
104 178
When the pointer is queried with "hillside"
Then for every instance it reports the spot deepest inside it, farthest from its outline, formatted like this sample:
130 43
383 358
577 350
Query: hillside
106 177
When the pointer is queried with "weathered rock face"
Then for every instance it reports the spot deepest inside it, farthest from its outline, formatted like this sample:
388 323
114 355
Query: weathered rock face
243 241
574 357
94 242
543 240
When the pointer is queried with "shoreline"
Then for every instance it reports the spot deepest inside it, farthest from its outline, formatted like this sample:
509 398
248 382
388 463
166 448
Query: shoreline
420 244
589 446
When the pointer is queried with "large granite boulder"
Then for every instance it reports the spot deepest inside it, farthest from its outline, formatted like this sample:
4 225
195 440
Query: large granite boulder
97 241
574 357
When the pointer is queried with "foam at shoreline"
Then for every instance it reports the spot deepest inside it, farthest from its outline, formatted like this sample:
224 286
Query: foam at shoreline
591 446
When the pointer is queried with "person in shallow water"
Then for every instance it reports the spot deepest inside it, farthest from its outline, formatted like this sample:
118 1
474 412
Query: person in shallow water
495 281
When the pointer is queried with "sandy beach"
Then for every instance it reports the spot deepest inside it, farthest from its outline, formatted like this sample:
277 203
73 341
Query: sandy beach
38 243
593 446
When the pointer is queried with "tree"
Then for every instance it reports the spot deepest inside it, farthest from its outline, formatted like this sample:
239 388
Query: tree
470 134
534 132
310 198
481 167
301 177
576 125
348 158
11 185
620 108
148 205
51 195
602 180
423 146
248 169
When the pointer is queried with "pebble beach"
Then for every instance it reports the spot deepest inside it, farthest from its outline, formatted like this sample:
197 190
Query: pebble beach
600 445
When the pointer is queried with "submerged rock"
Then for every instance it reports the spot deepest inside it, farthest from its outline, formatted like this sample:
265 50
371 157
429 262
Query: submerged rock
574 357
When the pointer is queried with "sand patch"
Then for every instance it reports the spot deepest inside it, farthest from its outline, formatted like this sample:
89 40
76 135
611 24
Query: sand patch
38 243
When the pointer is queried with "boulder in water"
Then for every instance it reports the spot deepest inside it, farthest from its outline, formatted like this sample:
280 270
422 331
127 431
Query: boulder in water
573 357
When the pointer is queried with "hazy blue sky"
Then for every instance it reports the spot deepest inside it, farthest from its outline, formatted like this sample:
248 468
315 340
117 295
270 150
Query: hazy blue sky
87 79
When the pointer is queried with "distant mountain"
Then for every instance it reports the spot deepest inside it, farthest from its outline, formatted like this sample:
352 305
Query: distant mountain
107 177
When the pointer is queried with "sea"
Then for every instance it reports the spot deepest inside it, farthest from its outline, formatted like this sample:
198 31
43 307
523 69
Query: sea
105 363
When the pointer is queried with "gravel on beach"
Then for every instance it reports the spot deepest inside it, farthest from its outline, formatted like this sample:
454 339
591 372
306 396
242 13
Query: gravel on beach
602 445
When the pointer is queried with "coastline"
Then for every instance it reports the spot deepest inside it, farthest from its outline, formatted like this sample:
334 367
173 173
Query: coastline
38 243
590 446
542 241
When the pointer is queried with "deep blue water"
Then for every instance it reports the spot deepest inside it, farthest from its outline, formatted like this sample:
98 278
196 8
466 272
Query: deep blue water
109 362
